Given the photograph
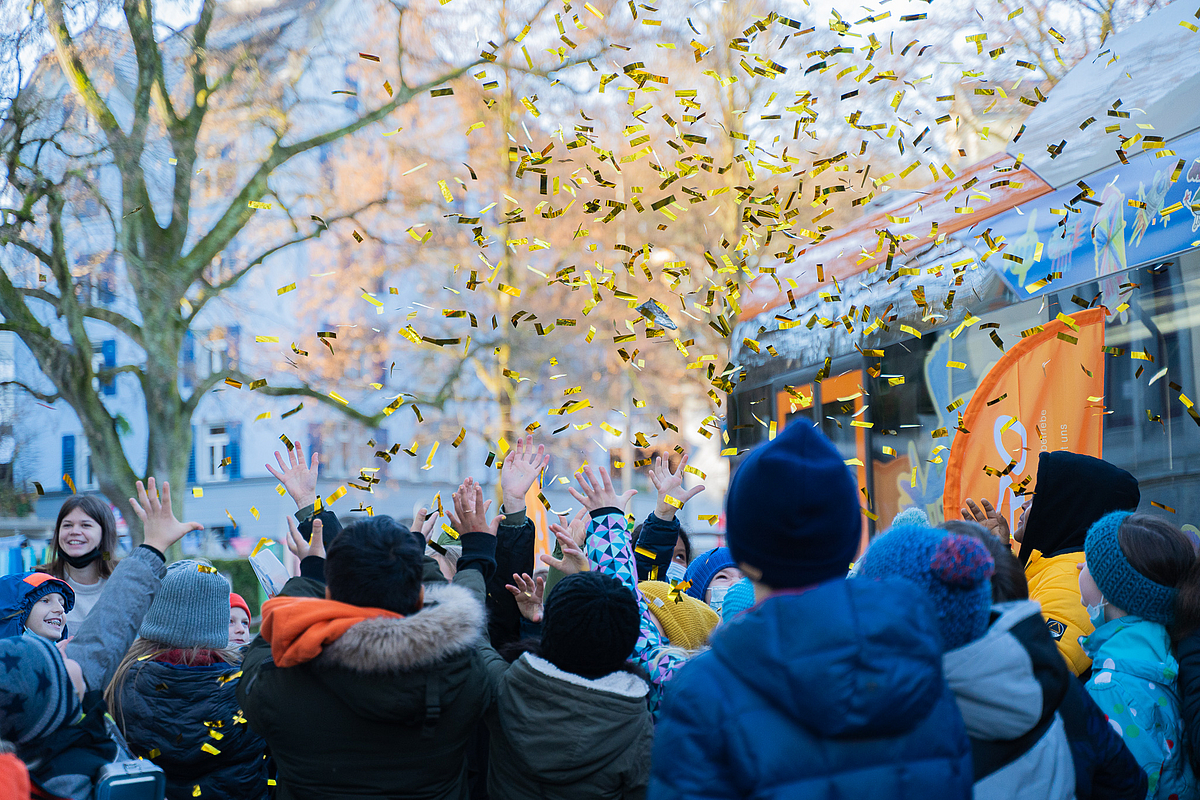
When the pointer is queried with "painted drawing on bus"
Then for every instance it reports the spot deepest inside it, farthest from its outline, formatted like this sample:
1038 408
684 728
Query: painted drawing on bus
1108 237
1153 201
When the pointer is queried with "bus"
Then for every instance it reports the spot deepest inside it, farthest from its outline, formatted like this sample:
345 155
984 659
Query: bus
876 337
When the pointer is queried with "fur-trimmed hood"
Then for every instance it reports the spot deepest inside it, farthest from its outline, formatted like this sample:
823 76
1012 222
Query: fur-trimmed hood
451 622
394 669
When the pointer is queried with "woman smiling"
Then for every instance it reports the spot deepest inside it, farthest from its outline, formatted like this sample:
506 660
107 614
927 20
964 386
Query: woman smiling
85 543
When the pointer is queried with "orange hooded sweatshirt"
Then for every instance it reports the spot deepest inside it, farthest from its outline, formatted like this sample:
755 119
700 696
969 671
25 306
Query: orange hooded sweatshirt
299 628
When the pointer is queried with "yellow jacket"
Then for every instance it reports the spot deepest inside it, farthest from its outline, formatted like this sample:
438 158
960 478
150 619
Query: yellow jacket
1054 583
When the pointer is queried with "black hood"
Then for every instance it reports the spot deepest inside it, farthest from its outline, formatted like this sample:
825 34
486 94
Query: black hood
1072 492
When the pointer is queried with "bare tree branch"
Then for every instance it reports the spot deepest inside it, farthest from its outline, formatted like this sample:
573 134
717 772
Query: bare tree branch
34 393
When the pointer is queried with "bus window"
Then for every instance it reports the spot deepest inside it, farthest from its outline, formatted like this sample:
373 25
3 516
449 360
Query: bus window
794 402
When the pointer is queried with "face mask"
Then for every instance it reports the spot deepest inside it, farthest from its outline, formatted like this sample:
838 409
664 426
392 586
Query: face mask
717 598
675 573
1096 613
79 562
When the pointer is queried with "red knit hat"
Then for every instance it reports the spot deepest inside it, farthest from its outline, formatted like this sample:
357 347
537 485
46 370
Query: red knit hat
236 601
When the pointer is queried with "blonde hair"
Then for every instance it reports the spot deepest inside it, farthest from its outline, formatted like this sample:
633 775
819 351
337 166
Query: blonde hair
143 650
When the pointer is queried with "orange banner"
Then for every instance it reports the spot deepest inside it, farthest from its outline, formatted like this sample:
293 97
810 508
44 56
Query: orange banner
1046 393
543 542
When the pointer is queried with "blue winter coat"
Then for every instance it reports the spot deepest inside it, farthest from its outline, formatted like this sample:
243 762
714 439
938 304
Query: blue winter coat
833 691
1134 682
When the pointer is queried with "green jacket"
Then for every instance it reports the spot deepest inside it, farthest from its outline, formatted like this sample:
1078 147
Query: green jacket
558 735
385 711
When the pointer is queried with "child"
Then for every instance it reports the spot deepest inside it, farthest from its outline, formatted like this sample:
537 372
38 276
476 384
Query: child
85 550
711 575
1134 566
828 687
569 720
177 685
1004 669
239 621
35 602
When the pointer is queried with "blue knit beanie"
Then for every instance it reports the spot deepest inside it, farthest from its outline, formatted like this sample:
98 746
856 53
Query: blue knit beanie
792 511
1118 580
739 598
954 571
191 608
704 568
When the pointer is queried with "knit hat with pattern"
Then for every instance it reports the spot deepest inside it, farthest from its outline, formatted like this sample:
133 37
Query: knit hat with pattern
191 608
954 571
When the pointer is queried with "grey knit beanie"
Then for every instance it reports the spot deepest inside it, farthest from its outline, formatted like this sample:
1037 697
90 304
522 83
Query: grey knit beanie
191 608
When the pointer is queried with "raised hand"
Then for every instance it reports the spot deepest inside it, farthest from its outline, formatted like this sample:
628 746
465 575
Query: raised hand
573 560
670 485
315 546
425 523
158 521
470 510
577 529
529 595
598 493
988 517
521 468
298 478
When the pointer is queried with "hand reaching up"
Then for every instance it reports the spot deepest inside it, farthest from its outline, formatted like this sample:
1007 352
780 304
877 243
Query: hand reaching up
158 521
598 493
988 517
670 485
470 510
425 523
521 468
298 478
529 595
315 546
573 560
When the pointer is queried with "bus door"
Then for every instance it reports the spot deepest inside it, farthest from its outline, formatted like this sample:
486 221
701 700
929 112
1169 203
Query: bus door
843 419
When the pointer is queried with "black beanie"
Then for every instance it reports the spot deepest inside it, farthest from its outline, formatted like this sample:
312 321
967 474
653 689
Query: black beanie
591 624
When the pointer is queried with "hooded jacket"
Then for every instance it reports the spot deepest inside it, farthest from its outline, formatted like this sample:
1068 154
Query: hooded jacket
1072 492
555 735
19 592
1009 685
832 691
1134 683
168 712
377 706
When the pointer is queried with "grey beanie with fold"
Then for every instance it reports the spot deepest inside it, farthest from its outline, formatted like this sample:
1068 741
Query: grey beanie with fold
191 608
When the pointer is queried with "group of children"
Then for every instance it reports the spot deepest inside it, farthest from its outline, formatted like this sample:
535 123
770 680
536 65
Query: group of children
941 662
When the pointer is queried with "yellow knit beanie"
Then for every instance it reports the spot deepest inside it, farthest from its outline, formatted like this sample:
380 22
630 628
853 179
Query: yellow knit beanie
686 623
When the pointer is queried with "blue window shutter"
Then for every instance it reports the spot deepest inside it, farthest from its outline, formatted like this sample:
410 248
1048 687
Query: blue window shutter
108 349
235 451
191 478
68 460
189 359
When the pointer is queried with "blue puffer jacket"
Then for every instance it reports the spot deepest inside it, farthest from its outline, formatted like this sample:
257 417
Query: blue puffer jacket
833 691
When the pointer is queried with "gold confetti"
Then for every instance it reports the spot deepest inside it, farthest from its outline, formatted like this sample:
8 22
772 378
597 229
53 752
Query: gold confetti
197 492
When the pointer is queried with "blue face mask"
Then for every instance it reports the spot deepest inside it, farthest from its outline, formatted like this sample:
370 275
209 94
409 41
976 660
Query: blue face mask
675 573
716 598
1096 613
